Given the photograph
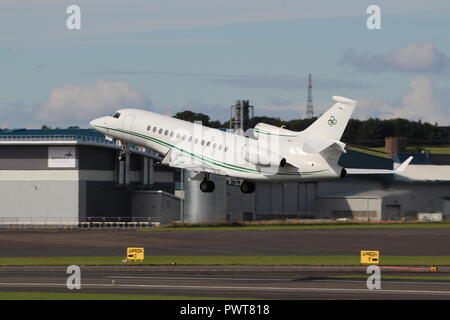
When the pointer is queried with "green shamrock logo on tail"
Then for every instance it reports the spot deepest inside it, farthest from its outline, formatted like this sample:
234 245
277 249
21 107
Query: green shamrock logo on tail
332 121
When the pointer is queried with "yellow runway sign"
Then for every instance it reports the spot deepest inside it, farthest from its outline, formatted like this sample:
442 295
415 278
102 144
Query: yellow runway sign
135 254
370 257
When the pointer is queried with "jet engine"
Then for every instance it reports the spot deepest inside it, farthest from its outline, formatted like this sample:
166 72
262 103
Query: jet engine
260 156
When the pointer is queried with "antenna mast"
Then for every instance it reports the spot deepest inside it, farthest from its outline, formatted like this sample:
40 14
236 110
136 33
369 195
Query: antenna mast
309 105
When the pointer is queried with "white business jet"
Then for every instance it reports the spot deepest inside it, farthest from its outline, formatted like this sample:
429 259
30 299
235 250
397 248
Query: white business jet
273 154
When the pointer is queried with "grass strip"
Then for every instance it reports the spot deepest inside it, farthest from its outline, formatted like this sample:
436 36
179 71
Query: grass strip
337 260
93 296
297 226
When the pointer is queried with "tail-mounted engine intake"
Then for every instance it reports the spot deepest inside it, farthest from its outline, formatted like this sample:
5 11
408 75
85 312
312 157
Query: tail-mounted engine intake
266 131
261 156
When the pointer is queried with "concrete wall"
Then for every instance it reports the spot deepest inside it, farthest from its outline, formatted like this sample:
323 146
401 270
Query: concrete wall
349 184
104 199
159 206
13 157
353 208
39 199
29 188
285 200
240 206
425 197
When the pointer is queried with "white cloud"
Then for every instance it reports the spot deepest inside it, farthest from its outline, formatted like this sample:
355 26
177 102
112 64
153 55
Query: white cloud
74 103
423 102
415 57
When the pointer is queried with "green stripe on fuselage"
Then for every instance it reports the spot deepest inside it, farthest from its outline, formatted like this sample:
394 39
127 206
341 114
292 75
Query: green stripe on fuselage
274 134
207 159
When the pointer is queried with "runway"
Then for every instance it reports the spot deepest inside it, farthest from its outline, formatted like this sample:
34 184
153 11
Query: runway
269 282
226 282
401 242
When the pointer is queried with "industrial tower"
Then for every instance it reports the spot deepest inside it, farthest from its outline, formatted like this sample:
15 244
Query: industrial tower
241 113
309 105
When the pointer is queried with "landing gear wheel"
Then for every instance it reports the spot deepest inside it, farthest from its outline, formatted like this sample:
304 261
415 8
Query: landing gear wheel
247 187
123 152
207 186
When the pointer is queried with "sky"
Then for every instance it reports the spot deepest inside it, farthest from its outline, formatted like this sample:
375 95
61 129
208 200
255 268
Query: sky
202 55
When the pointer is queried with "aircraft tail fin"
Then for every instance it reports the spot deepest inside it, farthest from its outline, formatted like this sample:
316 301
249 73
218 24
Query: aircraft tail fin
331 125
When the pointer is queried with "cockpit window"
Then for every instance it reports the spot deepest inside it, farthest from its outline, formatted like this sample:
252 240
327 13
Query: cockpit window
116 115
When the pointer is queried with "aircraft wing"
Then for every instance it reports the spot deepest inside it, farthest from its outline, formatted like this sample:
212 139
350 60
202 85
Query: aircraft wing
180 159
400 169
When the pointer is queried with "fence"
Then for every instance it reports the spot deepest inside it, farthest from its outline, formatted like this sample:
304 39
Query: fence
71 137
78 223
59 137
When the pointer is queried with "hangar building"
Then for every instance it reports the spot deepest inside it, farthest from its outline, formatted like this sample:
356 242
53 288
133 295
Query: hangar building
423 188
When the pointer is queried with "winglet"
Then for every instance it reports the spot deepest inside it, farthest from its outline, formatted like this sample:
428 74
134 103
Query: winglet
403 166
344 100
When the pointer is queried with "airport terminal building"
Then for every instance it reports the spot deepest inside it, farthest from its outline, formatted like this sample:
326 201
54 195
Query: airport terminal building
69 176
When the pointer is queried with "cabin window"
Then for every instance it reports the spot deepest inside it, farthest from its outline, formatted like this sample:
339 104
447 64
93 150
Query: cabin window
166 132
214 145
148 128
225 149
220 147
154 129
171 134
160 131
178 136
203 142
184 137
196 140
208 143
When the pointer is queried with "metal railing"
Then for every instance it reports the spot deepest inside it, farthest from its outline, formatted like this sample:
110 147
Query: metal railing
72 137
75 223
60 137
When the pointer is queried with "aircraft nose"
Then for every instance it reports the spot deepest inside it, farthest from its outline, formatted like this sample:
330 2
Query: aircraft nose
96 122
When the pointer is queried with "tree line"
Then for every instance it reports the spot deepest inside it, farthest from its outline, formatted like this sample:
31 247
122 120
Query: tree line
370 132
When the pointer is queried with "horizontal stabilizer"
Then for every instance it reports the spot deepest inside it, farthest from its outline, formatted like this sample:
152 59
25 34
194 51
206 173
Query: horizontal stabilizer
400 169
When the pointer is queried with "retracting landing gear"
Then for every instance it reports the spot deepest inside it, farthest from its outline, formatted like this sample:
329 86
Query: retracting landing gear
247 187
123 152
207 185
